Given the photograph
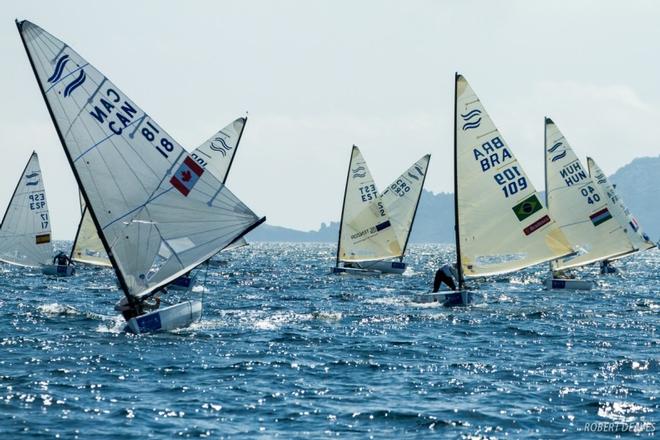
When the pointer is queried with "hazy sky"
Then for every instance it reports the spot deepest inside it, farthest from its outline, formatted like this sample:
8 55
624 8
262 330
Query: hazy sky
319 76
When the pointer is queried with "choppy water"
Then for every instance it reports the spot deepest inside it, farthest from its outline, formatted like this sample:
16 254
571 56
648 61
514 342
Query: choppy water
284 349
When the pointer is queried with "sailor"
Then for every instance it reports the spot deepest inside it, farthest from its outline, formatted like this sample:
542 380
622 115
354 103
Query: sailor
61 259
605 267
140 306
446 274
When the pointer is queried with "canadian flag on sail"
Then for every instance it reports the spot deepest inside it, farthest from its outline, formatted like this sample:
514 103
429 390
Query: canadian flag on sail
186 176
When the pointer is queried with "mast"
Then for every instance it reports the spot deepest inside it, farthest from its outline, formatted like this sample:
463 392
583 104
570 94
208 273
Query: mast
403 251
120 277
545 171
459 268
75 240
343 204
238 141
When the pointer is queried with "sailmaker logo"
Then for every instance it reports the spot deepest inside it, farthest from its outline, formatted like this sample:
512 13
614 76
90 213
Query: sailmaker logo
472 119
58 75
560 149
223 148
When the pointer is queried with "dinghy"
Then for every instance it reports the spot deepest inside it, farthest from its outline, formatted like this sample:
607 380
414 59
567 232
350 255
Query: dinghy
582 211
216 155
501 225
25 233
156 210
366 235
639 240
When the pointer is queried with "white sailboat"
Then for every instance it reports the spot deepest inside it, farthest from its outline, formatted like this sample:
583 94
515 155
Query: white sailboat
25 233
501 224
366 234
215 155
158 213
639 240
581 210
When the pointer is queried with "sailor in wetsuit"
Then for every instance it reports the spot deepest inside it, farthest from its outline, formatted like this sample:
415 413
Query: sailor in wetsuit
141 307
61 259
446 274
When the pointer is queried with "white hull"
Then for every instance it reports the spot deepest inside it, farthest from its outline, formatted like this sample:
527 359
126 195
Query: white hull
168 318
57 271
446 298
386 267
568 284
355 272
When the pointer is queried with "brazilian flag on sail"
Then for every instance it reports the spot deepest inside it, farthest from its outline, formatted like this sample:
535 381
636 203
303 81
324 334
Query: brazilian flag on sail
527 207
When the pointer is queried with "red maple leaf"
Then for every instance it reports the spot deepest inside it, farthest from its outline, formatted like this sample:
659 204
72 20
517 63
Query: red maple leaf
185 175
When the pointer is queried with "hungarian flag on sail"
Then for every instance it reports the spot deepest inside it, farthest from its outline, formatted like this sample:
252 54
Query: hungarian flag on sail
634 224
186 176
600 217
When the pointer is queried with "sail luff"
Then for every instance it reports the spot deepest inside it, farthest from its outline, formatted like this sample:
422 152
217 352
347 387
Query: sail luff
233 156
459 266
18 183
343 204
120 277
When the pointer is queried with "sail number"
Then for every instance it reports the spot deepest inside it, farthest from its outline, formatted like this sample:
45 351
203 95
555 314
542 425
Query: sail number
44 220
368 192
400 187
511 181
590 194
37 201
164 145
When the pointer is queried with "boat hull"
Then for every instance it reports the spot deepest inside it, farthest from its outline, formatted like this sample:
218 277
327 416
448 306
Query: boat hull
355 272
385 267
55 270
183 283
446 298
568 284
168 318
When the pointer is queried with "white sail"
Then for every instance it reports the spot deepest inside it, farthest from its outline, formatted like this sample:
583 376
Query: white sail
158 213
502 224
87 246
578 206
217 154
366 233
25 235
402 197
638 238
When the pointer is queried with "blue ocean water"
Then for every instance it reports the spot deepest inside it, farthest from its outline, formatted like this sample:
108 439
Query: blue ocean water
286 350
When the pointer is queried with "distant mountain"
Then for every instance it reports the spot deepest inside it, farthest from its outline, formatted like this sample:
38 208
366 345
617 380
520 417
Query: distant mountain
638 183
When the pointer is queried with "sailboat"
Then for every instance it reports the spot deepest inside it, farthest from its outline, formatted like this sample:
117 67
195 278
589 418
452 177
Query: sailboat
215 155
639 239
501 225
582 211
157 212
366 234
25 233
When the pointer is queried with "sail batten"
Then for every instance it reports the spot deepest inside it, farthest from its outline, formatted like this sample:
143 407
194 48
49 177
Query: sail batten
140 187
501 224
579 206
